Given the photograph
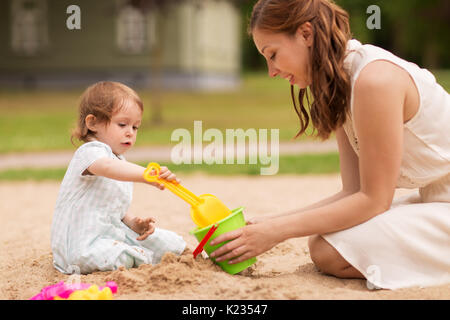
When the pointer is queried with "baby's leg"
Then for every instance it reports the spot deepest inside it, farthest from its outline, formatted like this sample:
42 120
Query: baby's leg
105 255
162 241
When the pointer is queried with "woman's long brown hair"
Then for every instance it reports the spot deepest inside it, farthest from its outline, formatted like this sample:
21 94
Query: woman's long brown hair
330 86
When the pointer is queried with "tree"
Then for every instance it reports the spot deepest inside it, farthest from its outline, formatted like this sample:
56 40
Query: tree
415 30
161 7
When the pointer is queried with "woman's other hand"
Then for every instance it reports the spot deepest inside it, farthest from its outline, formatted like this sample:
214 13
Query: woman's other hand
245 243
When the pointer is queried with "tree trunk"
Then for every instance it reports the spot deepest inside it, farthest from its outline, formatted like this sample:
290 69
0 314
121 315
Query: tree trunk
430 55
156 86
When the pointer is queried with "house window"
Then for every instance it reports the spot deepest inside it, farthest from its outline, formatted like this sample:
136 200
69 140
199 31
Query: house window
132 30
29 32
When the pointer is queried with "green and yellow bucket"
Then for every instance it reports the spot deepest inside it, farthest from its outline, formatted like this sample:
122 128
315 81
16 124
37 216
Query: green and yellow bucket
232 222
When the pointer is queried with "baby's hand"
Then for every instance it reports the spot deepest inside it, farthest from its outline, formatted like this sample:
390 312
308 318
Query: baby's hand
166 174
144 227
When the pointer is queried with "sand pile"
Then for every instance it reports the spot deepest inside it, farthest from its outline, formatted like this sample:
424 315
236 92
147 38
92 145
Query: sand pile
284 272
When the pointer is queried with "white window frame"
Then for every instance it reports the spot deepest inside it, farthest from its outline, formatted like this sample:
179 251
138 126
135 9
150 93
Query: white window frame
135 30
29 27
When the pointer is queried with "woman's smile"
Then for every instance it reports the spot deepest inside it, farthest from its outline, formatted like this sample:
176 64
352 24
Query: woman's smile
287 55
290 78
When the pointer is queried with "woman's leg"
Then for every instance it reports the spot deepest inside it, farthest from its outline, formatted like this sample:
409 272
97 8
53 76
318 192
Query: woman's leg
328 260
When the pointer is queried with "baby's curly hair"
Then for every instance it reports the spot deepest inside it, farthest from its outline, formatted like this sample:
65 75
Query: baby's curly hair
102 99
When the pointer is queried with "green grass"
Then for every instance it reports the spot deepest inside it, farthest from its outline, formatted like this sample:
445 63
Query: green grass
443 78
32 174
301 164
42 120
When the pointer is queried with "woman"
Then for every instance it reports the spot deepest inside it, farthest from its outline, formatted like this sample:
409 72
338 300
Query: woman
391 123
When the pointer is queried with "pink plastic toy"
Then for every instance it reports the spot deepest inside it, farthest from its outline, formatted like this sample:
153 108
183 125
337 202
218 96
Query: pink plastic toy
63 290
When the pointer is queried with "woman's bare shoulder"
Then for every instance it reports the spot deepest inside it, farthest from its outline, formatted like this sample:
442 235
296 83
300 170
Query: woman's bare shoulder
382 74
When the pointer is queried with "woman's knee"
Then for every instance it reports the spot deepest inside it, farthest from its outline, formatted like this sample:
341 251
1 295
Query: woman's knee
324 256
328 260
318 251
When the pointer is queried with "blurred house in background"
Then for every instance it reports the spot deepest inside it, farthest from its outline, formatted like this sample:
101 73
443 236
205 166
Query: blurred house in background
193 44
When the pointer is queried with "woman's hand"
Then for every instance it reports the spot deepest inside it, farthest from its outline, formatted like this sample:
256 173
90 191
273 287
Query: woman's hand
255 220
166 174
246 242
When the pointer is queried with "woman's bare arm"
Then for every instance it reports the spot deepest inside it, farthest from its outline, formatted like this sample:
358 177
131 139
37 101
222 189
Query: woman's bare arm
349 168
378 117
379 96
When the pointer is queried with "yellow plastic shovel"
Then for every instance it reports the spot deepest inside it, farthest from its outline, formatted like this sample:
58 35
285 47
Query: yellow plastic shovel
206 209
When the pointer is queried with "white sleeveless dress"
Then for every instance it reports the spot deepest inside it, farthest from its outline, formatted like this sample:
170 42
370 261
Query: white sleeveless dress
408 245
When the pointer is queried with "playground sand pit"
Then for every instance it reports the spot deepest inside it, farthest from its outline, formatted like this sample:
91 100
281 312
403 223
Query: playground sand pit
284 272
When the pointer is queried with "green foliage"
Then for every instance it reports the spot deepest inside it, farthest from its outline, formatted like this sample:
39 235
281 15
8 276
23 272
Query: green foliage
251 59
42 120
443 78
415 30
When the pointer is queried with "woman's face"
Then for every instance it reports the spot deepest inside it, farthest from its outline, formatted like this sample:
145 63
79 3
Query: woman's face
287 56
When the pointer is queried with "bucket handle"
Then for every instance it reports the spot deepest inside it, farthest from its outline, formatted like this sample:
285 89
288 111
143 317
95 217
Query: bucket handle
176 188
204 240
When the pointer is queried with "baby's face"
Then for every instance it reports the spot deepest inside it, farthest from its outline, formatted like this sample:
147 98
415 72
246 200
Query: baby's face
120 134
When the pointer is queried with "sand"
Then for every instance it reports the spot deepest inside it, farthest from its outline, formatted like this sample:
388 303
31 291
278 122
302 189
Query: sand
284 272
